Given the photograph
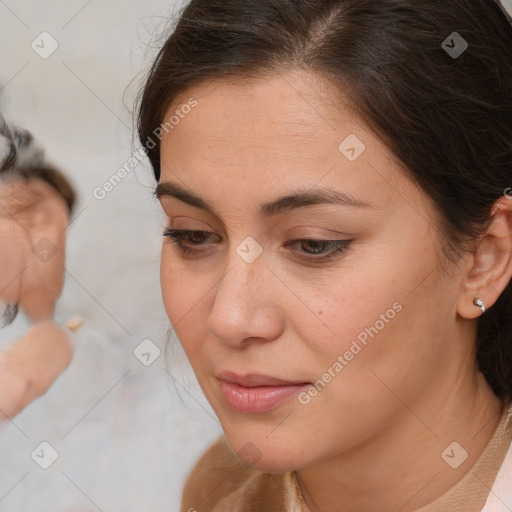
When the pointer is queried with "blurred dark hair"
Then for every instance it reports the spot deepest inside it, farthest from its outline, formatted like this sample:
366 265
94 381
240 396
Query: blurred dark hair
447 118
22 158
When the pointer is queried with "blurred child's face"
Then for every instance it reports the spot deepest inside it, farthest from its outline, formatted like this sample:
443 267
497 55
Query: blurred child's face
304 314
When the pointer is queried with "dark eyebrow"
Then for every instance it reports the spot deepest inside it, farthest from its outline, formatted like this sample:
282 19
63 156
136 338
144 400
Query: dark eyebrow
283 204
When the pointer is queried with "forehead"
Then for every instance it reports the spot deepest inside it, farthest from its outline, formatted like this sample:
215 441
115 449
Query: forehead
271 135
277 110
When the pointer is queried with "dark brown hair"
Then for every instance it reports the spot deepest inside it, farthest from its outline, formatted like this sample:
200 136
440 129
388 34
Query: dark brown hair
446 116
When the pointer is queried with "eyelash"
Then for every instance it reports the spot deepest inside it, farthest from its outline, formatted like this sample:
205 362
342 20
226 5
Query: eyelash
339 247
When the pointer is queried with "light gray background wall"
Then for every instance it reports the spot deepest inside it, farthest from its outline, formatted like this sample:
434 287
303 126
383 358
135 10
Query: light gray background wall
126 434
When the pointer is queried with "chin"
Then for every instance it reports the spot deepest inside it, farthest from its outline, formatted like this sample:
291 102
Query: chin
274 467
261 454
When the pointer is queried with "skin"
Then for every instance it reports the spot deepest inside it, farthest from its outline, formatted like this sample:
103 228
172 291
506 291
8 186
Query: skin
373 437
29 212
32 210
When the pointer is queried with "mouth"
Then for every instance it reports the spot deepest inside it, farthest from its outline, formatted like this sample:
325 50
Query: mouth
254 393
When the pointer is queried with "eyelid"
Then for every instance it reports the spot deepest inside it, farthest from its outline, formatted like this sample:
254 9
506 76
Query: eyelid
290 236
323 234
338 248
291 222
172 219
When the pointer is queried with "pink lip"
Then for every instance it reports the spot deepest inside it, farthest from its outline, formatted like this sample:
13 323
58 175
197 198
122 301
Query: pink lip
256 393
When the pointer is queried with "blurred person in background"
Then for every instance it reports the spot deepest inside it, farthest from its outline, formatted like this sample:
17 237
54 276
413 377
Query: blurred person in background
36 202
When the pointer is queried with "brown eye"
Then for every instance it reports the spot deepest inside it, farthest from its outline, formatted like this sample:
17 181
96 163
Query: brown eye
320 250
194 238
313 251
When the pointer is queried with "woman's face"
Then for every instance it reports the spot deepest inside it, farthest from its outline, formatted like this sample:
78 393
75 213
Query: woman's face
309 322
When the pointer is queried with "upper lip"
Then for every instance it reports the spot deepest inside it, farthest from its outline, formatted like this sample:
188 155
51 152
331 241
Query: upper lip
253 380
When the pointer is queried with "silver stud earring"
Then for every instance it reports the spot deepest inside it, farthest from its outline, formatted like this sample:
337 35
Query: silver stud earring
480 304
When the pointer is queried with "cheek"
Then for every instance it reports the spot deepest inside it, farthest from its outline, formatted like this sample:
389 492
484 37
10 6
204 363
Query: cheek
181 293
388 319
365 375
345 310
184 295
392 350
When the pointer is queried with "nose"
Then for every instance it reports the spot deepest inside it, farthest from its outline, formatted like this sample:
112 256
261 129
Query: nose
245 306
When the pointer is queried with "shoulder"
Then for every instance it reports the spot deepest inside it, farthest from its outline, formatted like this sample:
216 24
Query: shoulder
220 482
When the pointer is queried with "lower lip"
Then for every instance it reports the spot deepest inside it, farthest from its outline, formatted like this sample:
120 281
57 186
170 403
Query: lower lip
257 399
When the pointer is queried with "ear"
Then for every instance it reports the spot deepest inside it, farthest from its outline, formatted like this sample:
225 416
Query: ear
490 268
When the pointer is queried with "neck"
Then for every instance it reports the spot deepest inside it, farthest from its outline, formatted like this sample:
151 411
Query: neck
402 468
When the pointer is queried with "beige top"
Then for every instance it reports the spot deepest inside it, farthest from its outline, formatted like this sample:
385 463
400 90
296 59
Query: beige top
221 483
